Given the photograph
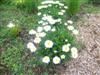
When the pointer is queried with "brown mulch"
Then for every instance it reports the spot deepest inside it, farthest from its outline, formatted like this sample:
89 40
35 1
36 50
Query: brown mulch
88 62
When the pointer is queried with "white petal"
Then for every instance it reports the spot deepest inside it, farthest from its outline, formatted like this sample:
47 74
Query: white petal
56 60
46 59
39 14
63 56
70 27
75 32
10 25
37 40
70 21
48 44
42 34
39 29
47 28
32 32
53 29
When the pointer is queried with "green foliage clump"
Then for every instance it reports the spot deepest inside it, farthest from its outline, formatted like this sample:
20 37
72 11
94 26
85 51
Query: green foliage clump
10 32
28 5
14 32
74 5
12 58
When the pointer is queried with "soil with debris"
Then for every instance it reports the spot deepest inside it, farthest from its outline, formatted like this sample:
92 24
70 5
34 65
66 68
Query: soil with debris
88 62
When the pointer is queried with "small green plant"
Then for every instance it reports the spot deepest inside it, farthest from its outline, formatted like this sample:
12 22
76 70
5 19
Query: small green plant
12 58
10 31
13 30
74 6
28 5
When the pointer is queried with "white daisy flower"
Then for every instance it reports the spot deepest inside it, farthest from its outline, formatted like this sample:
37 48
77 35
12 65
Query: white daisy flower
31 46
32 32
65 24
42 34
68 44
37 40
61 4
44 15
48 44
46 23
65 48
74 52
70 27
47 28
50 5
57 2
46 59
33 49
41 7
47 2
66 7
74 49
44 18
39 14
59 20
52 22
56 60
10 25
63 11
55 51
37 34
66 40
39 29
70 21
53 29
60 13
74 55
62 56
75 32
40 22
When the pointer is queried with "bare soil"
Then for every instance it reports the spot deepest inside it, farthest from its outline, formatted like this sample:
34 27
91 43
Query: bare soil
88 62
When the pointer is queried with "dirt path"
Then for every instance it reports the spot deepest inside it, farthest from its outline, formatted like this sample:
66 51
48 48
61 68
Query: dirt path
88 62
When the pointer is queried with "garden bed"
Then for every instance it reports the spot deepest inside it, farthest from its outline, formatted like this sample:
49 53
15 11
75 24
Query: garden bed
87 63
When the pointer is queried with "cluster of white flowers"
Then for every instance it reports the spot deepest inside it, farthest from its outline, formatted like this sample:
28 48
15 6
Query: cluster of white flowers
47 25
11 25
71 27
31 46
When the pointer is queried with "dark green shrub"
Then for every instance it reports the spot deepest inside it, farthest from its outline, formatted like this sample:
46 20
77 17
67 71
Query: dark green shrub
74 6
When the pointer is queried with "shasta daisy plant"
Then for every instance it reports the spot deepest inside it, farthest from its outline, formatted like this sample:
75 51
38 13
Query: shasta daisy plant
53 40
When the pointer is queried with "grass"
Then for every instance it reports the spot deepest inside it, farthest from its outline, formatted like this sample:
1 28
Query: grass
14 47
